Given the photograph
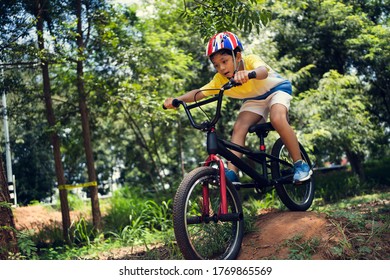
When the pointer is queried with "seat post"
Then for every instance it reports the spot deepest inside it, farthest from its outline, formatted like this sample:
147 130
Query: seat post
262 134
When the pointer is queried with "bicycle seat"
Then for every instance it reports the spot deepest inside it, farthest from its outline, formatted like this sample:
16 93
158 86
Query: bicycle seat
261 128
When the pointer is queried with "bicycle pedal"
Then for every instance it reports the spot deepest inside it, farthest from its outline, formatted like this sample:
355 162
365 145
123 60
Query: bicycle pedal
237 185
298 183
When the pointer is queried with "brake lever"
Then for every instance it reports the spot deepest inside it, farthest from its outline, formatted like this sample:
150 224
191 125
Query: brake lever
233 83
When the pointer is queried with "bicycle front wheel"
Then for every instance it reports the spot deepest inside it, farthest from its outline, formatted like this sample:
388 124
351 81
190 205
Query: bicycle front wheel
297 197
202 236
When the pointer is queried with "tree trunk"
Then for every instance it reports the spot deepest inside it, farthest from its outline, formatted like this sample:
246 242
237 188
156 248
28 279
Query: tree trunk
96 215
8 241
356 161
55 140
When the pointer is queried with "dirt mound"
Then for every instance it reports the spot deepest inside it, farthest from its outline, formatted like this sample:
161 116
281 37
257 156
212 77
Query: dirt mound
277 233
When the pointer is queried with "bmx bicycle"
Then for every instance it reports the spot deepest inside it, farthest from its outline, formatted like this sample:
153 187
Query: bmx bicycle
208 217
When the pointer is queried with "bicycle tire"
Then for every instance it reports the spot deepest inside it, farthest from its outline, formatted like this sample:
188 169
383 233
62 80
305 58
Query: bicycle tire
296 197
212 239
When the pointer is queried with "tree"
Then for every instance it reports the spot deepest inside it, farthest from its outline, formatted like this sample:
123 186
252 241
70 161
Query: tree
30 144
316 39
8 240
96 215
138 62
39 11
18 46
343 35
214 16
371 54
327 114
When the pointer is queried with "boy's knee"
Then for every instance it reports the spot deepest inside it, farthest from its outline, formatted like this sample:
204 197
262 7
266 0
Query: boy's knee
275 118
278 119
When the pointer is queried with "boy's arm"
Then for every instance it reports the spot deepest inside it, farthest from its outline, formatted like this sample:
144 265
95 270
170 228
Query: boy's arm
261 72
187 97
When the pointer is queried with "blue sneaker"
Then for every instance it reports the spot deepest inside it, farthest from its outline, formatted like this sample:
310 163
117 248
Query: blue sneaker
302 171
231 175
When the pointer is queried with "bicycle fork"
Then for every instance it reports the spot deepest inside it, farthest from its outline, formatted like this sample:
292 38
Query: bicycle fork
223 214
223 208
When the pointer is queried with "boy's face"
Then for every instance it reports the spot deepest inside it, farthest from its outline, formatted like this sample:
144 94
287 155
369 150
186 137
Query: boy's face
224 64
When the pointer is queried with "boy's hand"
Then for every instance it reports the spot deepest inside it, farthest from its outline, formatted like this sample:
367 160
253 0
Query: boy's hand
168 103
241 76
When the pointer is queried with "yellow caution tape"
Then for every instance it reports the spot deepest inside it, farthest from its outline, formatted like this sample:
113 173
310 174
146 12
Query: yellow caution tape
84 185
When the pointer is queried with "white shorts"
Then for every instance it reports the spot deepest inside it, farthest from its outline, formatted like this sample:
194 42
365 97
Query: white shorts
262 107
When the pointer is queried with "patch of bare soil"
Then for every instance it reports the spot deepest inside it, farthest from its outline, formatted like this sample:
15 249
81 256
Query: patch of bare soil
37 217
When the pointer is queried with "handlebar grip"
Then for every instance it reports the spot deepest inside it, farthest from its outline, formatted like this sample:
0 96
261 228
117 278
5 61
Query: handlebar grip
233 83
252 75
176 103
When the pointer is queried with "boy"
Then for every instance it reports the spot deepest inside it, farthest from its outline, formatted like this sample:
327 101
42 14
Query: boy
268 93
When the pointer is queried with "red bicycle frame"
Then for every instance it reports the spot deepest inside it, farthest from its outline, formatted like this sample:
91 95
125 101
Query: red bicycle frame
223 208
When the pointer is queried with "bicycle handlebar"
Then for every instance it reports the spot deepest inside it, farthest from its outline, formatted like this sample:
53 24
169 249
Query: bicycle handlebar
206 125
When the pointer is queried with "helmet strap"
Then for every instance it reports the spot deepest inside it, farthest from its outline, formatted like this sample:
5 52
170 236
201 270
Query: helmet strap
235 63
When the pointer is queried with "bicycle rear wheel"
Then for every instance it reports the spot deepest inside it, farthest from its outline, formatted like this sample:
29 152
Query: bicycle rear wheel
297 197
206 237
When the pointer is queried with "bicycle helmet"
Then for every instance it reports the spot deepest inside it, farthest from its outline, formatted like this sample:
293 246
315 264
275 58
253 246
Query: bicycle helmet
223 40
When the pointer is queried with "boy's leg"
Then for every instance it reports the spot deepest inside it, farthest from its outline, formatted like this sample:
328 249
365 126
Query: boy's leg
279 120
244 120
278 115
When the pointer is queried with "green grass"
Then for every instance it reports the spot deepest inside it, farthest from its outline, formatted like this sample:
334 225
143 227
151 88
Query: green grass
301 250
363 222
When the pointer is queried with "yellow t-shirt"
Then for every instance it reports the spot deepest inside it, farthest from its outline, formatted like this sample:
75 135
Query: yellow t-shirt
252 88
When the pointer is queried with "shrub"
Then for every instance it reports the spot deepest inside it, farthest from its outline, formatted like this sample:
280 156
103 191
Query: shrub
130 209
378 171
335 185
